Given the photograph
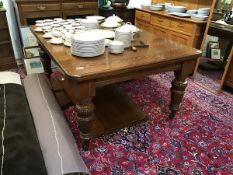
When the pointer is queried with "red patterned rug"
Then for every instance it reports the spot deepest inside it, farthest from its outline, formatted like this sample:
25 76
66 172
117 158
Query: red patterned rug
198 141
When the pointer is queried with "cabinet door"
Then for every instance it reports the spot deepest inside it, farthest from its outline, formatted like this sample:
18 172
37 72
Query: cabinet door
159 31
181 38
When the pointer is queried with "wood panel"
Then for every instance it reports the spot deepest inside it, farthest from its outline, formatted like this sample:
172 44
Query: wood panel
160 20
38 7
34 9
79 6
143 16
181 38
7 59
159 31
144 25
182 26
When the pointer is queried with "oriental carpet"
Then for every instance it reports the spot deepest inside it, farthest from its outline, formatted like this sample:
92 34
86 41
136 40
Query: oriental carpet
198 141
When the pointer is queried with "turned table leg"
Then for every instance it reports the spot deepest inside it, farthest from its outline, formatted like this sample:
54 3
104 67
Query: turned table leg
81 95
177 92
85 113
46 61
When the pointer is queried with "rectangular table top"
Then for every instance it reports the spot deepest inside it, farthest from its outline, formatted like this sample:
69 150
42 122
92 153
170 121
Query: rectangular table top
161 51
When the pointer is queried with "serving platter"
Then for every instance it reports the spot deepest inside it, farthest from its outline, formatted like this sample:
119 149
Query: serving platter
182 15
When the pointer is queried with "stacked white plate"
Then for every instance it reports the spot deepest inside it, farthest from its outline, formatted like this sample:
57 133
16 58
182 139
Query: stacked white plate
203 11
90 24
179 9
156 7
199 17
87 44
98 18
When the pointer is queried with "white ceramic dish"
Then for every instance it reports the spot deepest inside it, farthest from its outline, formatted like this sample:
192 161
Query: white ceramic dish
39 21
56 41
110 24
156 7
98 18
47 36
114 18
182 15
129 26
145 6
67 44
179 9
191 12
38 29
199 17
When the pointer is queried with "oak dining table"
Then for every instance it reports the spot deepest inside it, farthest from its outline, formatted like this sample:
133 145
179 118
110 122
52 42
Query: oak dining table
90 82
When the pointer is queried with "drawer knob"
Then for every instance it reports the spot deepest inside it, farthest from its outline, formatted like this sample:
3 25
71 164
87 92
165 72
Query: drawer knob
80 6
160 20
41 7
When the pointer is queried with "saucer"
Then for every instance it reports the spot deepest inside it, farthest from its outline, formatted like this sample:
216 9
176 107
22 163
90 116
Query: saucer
47 36
67 44
57 42
38 29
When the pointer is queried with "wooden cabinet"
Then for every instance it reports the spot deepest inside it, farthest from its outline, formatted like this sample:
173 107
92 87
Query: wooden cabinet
7 60
159 31
182 26
183 31
180 38
29 11
127 14
160 20
71 9
143 16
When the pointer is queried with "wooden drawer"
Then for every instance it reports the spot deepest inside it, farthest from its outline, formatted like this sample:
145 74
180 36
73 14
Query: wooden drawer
143 25
159 31
182 26
6 51
180 38
160 20
3 23
143 16
40 7
4 36
6 60
80 6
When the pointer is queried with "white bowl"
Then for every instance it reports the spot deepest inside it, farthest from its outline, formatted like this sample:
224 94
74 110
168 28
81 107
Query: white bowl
47 35
56 41
206 9
145 6
98 18
114 18
199 17
156 7
110 24
179 9
191 12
